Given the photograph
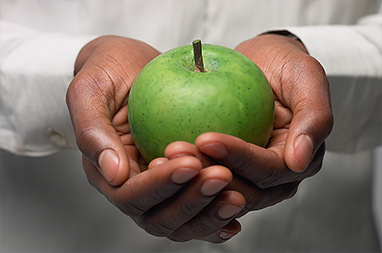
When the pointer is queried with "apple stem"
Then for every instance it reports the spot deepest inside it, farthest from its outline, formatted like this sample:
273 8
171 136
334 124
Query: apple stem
197 44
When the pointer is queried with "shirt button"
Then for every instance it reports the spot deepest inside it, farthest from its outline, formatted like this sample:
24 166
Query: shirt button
56 138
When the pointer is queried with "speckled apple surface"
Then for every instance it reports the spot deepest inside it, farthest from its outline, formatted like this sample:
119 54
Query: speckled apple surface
170 102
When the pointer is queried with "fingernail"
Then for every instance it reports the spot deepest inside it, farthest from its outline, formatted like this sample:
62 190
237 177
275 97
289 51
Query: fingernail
182 175
215 150
226 235
213 186
304 148
108 160
228 211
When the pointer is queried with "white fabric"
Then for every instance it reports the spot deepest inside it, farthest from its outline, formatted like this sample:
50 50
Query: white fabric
27 124
39 41
352 58
35 71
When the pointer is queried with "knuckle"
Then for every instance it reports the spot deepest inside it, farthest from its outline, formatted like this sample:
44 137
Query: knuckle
127 207
275 178
206 226
153 226
178 229
188 209
254 202
274 196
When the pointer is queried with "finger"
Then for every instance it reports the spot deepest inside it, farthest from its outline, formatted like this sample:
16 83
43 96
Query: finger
156 162
170 215
247 160
147 189
312 119
96 136
224 234
257 198
262 167
182 148
212 224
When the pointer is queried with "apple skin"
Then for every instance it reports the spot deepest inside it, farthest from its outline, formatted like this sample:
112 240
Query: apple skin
170 102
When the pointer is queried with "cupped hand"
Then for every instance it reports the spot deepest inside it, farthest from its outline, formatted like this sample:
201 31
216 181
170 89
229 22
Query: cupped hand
303 119
172 199
97 100
303 116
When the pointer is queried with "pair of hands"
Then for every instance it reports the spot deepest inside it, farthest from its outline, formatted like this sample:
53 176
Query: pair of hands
198 191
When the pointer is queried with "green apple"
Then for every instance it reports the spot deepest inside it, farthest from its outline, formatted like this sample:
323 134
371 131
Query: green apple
171 101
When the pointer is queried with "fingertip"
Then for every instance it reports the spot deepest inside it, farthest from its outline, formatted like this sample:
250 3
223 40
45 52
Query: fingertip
231 204
183 175
226 235
303 152
112 167
230 230
207 137
216 150
228 211
179 148
210 144
215 179
156 162
186 168
108 161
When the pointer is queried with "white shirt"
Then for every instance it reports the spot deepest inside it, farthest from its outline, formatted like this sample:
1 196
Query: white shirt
40 39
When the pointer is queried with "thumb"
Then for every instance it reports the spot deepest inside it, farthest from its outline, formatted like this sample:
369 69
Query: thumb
312 121
96 136
307 132
111 161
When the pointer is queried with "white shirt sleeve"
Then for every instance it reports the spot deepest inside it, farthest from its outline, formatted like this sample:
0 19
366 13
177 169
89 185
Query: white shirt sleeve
352 59
36 69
